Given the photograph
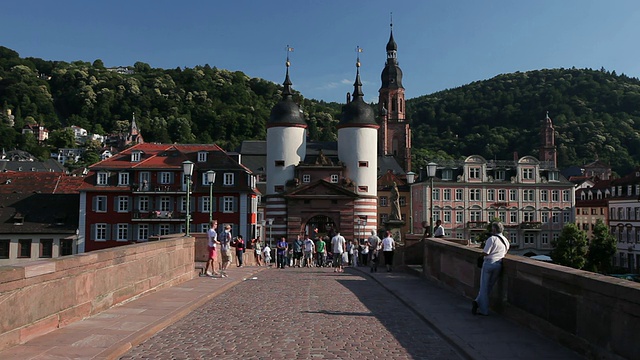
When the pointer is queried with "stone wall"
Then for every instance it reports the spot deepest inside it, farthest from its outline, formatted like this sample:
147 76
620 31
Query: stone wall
596 315
40 296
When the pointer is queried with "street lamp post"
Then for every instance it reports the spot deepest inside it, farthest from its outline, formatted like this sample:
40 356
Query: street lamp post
211 178
187 168
431 173
411 177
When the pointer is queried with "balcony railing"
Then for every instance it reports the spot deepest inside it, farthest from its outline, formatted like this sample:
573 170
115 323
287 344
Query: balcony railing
158 216
476 224
531 225
158 188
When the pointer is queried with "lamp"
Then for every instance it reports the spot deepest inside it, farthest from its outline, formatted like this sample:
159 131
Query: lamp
187 168
411 177
431 173
211 178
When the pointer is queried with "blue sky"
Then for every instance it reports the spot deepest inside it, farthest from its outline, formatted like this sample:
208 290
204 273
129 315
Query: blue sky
441 44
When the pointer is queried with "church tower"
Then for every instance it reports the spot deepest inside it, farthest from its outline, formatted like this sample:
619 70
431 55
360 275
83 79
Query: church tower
395 134
357 149
548 151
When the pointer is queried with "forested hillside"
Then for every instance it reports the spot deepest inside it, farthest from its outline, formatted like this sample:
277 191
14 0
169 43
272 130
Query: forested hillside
596 113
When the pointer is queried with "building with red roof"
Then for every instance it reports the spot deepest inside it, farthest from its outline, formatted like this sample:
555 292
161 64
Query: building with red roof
140 194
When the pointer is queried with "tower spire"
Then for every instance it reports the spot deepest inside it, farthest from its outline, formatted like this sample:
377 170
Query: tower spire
357 85
288 92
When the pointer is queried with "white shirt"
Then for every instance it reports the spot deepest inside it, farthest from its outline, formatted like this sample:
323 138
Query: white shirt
337 243
308 245
439 231
212 235
388 244
266 251
495 248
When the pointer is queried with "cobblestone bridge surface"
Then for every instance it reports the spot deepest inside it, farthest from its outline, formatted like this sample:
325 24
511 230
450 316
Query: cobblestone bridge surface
308 313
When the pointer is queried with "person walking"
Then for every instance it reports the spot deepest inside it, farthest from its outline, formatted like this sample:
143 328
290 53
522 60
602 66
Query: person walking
281 252
212 237
239 250
355 248
308 249
321 252
257 248
266 253
374 247
338 246
364 253
495 249
225 248
388 248
297 251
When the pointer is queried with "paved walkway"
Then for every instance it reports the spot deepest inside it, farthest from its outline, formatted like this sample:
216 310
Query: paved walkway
314 313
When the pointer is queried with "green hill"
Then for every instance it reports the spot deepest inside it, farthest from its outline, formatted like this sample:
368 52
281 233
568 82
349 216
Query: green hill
596 114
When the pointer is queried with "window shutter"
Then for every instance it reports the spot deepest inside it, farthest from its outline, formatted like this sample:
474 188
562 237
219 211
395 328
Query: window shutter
213 203
192 205
235 204
92 234
108 235
94 203
171 203
134 232
221 204
201 204
129 204
129 232
172 178
115 203
114 231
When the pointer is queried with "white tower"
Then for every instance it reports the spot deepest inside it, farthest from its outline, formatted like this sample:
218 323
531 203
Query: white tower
286 139
358 150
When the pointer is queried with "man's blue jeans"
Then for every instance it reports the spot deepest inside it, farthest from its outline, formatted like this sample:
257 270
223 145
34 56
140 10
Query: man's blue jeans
489 276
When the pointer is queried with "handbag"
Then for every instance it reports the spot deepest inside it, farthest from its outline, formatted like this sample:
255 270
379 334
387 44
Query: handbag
480 261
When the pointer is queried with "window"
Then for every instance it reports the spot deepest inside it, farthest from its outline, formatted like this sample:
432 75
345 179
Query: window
306 178
384 218
46 248
4 248
228 179
565 195
436 215
102 179
459 217
164 229
135 156
555 196
527 174
402 201
165 177
363 188
123 203
123 178
544 217
458 194
513 238
491 215
474 173
474 194
503 216
447 174
24 248
566 216
446 216
491 195
143 203
183 204
123 232
544 195
165 203
513 217
227 204
446 195
529 238
101 232
527 195
435 194
202 156
476 215
544 238
144 181
206 204
500 175
334 179
513 195
383 201
553 176
143 232
527 216
502 195
555 217
279 163
363 164
555 236
100 204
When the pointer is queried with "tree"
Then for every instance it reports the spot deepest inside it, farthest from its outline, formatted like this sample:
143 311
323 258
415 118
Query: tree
601 249
63 138
571 247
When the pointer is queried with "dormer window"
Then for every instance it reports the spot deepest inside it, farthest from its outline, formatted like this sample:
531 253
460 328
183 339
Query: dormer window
553 176
136 156
474 173
228 179
447 174
102 178
202 156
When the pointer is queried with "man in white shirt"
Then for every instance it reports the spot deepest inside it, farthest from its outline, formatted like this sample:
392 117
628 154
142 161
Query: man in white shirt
388 247
212 236
308 248
338 245
495 249
439 231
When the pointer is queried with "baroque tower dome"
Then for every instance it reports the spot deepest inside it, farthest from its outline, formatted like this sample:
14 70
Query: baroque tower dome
286 112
